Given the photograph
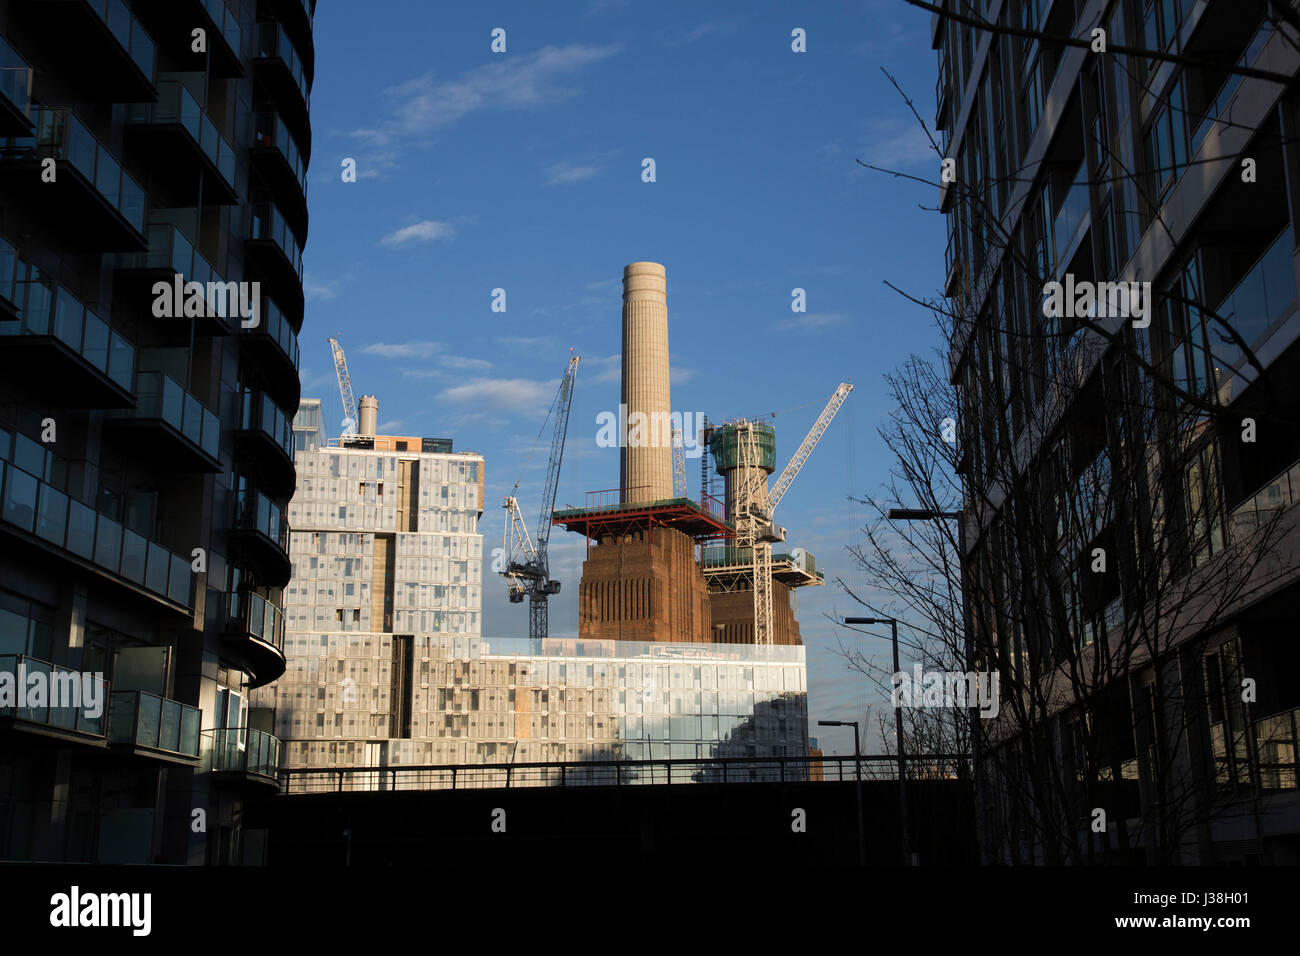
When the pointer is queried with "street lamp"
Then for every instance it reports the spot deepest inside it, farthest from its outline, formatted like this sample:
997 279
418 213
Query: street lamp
857 769
898 731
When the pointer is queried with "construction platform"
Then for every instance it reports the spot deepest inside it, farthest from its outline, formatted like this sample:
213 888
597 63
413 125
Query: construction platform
729 568
604 515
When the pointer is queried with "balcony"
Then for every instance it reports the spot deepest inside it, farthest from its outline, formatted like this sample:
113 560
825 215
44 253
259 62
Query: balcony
1071 215
1275 744
286 78
98 39
261 532
942 95
173 20
83 721
97 204
273 345
265 435
282 165
255 635
297 17
169 428
1266 504
171 254
55 346
44 515
154 727
273 249
1220 106
15 92
242 754
193 160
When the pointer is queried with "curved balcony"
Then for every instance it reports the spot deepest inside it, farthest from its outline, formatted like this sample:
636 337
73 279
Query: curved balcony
42 514
281 165
15 92
255 636
169 429
298 17
272 345
55 346
273 250
171 254
173 20
83 721
99 40
265 436
242 755
96 204
187 147
261 533
286 78
154 727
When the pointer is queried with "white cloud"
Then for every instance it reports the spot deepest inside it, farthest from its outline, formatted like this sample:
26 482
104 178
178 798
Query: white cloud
808 321
425 231
401 349
319 290
565 173
527 81
462 362
514 394
388 427
897 144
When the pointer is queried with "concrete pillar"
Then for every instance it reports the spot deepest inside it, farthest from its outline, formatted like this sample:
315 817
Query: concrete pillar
646 458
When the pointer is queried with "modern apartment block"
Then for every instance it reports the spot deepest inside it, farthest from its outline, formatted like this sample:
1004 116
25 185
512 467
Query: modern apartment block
385 548
146 457
1131 466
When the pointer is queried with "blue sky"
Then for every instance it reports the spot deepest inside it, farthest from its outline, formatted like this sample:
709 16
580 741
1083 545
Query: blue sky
523 171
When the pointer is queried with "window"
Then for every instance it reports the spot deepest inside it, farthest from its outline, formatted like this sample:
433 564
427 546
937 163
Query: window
1166 144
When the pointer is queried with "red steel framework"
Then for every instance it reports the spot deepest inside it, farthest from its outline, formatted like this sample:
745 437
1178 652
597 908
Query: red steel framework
605 514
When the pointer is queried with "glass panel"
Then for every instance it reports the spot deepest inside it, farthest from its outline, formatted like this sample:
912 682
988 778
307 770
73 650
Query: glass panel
121 717
119 22
159 564
108 176
121 360
68 313
178 583
81 529
132 203
20 498
81 147
108 544
133 555
150 720
211 434
169 734
87 723
95 342
193 422
52 521
189 732
37 714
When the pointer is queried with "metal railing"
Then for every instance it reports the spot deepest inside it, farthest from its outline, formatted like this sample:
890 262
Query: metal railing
241 750
15 78
256 512
1264 505
161 397
619 773
251 613
142 719
74 717
259 413
128 31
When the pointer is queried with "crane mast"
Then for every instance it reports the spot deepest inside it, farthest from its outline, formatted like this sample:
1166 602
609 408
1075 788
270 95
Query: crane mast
527 566
345 388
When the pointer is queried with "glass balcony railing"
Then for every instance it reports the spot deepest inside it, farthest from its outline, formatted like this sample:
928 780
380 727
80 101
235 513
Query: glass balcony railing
1261 297
169 249
45 308
227 22
128 31
1264 505
159 396
253 614
1219 105
241 750
37 507
86 696
269 223
259 413
274 43
256 512
279 329
61 136
1073 210
269 130
177 105
146 720
15 78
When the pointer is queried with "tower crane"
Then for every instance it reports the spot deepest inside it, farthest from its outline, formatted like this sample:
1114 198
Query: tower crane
526 566
345 388
755 504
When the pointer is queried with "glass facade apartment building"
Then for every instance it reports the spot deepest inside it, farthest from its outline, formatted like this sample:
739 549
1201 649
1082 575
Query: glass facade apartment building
1153 682
146 462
